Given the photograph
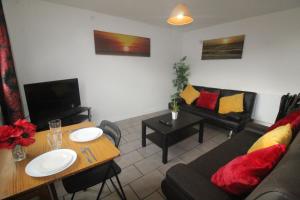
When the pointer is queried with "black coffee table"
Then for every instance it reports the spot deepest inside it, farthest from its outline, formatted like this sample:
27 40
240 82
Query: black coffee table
165 136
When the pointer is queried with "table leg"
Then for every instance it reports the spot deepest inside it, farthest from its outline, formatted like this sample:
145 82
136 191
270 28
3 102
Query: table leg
143 134
53 191
165 149
200 132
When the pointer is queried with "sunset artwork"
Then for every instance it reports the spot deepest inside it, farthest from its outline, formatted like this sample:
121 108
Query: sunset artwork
119 44
223 48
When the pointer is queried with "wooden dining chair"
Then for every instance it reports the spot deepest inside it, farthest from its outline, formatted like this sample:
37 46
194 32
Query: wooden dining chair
101 173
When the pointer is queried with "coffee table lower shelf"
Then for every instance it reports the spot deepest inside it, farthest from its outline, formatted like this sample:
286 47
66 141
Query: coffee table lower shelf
157 138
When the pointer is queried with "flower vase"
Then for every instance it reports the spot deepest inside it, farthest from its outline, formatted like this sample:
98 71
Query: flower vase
18 153
174 115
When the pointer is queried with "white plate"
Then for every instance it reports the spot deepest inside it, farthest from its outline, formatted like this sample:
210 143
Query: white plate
86 134
51 163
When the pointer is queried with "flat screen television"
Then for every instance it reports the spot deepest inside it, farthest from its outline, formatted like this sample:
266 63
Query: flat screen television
47 100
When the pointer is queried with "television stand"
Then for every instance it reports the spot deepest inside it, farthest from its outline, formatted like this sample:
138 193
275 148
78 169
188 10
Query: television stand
69 117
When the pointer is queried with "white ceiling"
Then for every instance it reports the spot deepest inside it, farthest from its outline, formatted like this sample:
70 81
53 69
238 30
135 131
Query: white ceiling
205 12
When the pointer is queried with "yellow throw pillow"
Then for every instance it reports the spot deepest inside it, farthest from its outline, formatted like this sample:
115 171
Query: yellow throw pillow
189 94
234 103
280 135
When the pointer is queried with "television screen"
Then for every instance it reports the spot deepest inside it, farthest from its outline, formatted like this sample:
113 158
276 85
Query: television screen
48 99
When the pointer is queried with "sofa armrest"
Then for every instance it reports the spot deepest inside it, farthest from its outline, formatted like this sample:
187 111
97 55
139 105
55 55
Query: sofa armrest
256 128
192 185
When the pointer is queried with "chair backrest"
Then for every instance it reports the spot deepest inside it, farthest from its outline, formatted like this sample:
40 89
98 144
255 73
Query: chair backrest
112 130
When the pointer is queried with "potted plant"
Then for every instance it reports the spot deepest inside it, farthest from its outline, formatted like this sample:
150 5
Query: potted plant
15 136
182 72
175 109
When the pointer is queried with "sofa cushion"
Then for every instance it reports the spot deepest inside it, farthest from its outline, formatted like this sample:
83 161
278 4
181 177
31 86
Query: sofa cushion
280 135
189 94
244 173
237 117
213 117
207 100
291 118
233 103
284 180
191 185
210 162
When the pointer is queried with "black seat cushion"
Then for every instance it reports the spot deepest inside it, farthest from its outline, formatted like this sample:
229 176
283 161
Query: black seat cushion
211 116
237 117
190 185
210 162
90 177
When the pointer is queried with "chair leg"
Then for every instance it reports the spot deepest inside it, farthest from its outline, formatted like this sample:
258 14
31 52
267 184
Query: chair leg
120 185
101 189
105 177
73 195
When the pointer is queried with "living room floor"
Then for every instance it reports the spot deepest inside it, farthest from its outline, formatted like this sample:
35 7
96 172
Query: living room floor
142 167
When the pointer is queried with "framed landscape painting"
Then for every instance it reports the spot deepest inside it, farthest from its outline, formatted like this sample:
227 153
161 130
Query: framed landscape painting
120 44
223 48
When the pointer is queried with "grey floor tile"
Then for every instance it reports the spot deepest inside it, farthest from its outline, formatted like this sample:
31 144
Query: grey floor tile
191 155
149 164
161 193
219 139
189 143
163 169
129 174
147 184
130 195
207 146
128 159
154 196
60 190
96 189
149 150
173 152
83 195
130 146
132 136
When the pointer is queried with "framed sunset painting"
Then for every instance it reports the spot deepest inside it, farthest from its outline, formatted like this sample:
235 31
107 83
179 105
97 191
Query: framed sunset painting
108 43
223 48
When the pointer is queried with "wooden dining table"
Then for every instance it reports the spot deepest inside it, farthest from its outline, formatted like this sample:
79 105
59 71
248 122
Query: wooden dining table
13 179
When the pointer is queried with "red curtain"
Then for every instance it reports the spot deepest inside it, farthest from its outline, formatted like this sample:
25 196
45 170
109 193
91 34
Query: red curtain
10 100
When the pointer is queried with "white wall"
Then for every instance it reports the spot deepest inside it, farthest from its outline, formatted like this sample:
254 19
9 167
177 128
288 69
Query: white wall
52 42
270 65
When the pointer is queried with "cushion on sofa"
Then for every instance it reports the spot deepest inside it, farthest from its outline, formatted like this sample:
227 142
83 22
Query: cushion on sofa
244 173
291 118
233 103
284 178
237 116
280 135
189 94
207 100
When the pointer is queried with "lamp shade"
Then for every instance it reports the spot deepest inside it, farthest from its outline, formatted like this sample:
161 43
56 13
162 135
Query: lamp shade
180 16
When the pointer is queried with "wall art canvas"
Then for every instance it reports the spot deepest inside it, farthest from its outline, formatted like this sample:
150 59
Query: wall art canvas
223 48
120 44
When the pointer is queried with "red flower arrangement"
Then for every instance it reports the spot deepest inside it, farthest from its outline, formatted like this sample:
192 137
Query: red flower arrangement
20 133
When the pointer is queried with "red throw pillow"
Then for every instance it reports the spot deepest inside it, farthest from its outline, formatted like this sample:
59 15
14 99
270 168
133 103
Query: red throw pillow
289 119
244 173
207 100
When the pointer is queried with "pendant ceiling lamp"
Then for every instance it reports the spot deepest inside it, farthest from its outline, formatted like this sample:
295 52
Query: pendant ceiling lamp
180 16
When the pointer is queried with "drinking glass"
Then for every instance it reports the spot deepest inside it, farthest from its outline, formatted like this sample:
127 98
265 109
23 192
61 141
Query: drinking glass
54 136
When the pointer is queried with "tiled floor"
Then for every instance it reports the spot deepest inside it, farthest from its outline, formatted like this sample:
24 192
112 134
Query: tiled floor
142 168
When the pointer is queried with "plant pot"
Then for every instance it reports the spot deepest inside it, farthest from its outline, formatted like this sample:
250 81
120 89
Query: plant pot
174 115
18 153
